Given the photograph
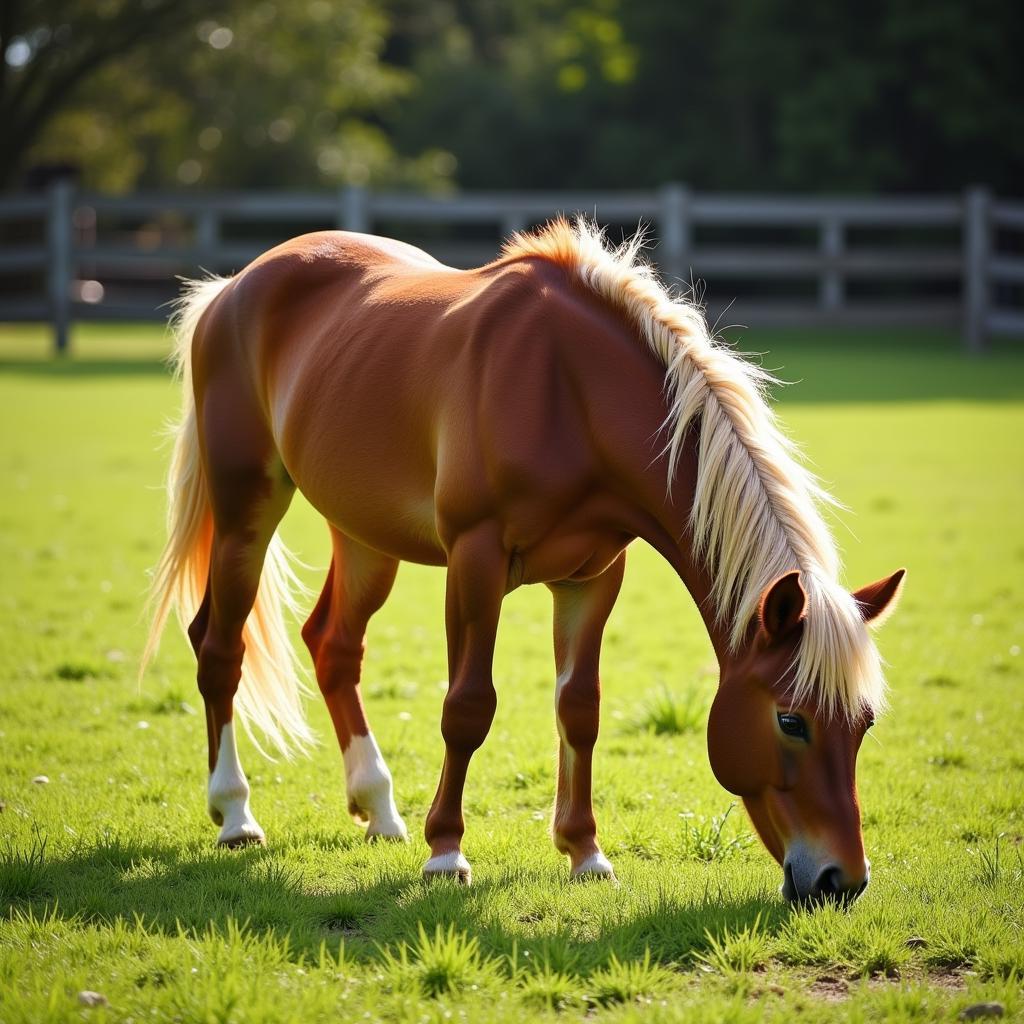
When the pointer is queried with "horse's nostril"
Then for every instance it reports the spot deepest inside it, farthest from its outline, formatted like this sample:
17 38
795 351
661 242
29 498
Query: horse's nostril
829 887
829 883
789 889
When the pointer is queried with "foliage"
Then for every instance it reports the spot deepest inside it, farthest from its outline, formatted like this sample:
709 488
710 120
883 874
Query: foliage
757 94
237 95
132 899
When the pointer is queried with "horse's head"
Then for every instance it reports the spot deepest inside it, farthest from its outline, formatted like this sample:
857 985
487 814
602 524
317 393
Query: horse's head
794 766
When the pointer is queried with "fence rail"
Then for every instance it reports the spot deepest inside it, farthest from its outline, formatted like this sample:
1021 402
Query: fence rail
948 261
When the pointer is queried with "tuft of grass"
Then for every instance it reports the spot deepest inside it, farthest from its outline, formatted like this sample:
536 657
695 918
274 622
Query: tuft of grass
441 963
706 840
79 671
949 759
173 702
736 952
1002 959
952 947
23 874
639 837
549 988
623 981
808 939
669 714
876 950
992 869
941 682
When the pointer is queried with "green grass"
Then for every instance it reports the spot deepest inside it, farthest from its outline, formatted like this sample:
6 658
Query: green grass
109 879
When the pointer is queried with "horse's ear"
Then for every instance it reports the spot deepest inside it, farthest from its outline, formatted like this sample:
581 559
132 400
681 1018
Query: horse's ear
782 606
878 600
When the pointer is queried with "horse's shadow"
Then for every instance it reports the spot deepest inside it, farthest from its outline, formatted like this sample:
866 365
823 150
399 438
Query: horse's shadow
172 889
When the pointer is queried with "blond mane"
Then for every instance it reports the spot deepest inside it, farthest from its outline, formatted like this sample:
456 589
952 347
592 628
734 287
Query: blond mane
755 513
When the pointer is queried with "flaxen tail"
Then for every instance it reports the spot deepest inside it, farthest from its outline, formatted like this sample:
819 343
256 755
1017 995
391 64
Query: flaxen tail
269 695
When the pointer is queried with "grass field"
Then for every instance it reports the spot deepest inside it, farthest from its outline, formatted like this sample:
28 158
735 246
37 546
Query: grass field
109 879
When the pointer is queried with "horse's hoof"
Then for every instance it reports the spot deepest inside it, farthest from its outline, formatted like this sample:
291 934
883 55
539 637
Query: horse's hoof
393 832
448 865
596 867
246 835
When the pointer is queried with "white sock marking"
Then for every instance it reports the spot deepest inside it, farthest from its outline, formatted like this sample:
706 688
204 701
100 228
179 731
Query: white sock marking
370 789
228 794
452 864
596 865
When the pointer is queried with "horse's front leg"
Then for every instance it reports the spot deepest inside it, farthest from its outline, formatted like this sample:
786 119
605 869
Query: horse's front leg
477 578
581 611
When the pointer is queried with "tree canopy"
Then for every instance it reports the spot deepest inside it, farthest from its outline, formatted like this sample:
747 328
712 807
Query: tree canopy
756 94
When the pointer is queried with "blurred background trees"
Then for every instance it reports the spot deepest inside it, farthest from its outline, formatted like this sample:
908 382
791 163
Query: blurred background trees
755 94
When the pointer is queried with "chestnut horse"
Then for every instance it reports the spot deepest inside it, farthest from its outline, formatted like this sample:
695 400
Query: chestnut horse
517 423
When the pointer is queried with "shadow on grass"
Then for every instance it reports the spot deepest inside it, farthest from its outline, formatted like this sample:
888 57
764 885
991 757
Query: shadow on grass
84 369
164 889
834 365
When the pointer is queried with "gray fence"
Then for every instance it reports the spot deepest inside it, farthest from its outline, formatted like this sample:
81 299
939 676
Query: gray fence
951 261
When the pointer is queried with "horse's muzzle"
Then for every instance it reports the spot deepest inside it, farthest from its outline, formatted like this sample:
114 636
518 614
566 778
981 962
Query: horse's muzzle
807 883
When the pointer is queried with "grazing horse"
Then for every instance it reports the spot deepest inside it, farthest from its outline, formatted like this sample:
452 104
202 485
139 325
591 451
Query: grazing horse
517 423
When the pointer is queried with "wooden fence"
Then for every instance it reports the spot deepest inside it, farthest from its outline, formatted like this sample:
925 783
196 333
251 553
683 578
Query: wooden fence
951 261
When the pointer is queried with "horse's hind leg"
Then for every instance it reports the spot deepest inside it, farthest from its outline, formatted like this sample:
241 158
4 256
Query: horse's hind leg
581 611
249 494
357 585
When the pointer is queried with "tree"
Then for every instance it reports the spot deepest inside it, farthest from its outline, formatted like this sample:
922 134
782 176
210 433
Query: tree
51 47
231 94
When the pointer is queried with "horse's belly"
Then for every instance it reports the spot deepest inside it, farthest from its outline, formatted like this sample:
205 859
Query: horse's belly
372 487
381 507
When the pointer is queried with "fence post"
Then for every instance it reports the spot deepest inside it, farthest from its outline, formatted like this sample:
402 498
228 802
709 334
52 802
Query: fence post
208 237
354 208
830 284
977 244
675 229
59 243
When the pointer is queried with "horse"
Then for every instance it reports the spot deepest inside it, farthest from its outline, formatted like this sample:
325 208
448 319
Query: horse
518 423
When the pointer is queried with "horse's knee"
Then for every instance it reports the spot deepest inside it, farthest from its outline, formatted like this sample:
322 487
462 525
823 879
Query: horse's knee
578 709
467 715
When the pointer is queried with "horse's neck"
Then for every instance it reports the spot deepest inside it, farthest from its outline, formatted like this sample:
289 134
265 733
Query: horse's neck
669 532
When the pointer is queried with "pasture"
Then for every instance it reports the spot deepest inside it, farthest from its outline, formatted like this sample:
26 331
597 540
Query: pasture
110 881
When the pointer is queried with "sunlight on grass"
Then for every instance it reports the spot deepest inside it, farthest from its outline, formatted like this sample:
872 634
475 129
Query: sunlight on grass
110 880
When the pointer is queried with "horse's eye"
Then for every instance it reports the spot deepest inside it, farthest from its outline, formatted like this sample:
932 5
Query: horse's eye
793 725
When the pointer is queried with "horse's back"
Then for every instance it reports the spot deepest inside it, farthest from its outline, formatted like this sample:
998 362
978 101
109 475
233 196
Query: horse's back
409 400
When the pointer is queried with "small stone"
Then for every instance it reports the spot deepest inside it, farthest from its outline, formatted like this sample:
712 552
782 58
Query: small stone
979 1010
87 998
142 725
777 989
916 942
42 780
